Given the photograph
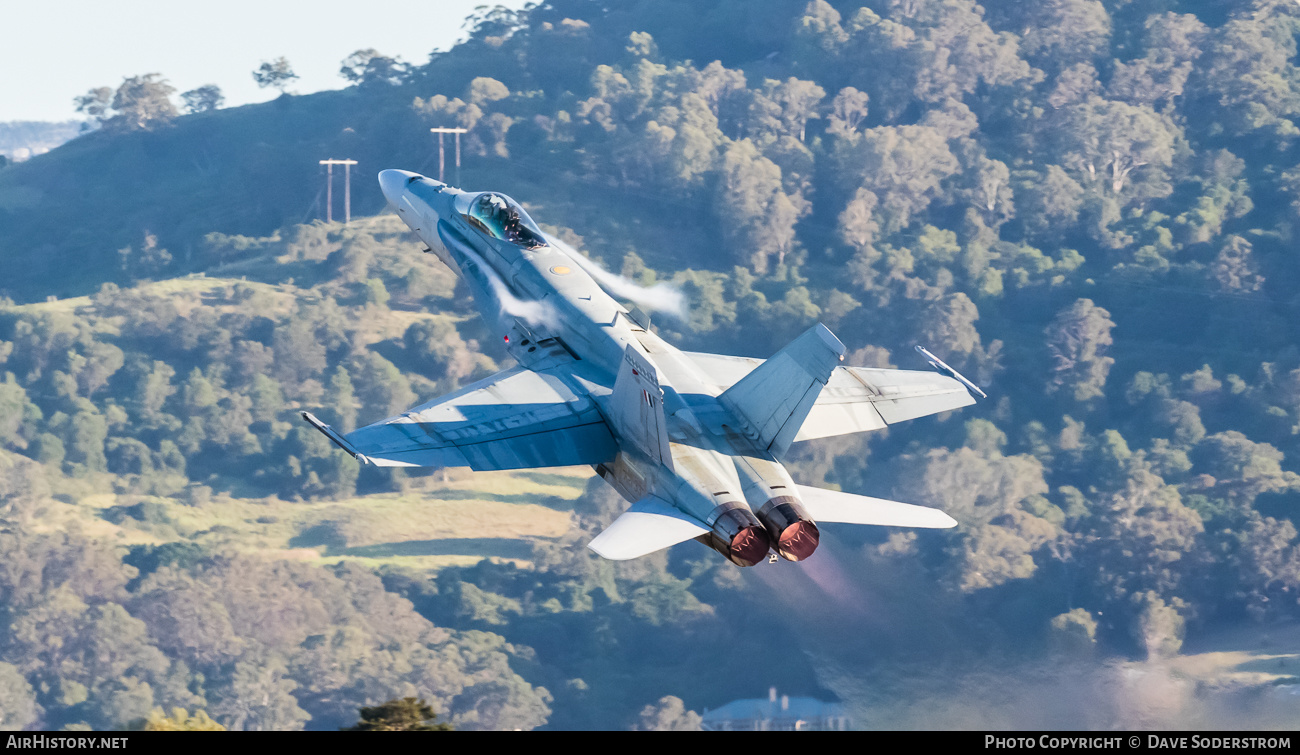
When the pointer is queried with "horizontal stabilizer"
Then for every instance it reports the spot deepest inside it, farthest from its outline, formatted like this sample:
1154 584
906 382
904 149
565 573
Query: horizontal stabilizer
855 399
833 506
650 525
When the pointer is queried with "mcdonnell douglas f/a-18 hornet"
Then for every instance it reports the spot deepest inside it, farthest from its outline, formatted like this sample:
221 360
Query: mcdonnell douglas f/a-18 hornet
694 441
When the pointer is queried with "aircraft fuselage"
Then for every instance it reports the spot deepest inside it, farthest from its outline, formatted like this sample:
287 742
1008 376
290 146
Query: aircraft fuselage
551 314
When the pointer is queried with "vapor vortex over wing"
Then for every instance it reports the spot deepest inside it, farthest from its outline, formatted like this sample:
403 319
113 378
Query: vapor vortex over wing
661 297
534 312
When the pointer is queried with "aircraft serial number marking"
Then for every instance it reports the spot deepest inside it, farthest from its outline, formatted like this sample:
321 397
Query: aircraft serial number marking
512 422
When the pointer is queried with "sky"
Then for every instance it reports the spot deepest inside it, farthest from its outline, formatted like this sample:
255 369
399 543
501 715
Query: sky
54 50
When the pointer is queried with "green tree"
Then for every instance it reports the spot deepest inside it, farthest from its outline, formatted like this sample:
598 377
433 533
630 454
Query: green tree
903 166
18 415
1160 626
142 103
669 714
381 386
1106 140
103 360
784 108
1241 470
95 104
153 389
267 398
1244 75
949 328
1061 32
848 110
1173 44
438 350
299 353
276 73
180 720
256 694
203 99
757 216
483 90
1077 340
368 68
49 450
88 431
198 394
1074 631
1047 202
1234 269
1267 565
406 714
341 400
1142 539
17 700
147 261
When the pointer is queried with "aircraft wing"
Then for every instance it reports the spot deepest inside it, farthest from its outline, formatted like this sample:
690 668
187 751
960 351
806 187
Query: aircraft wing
855 399
516 419
652 524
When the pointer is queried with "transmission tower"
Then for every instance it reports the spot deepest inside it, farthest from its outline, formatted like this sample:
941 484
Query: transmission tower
441 152
347 189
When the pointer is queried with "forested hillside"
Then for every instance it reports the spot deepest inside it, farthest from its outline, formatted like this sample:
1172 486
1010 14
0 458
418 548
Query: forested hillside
1087 207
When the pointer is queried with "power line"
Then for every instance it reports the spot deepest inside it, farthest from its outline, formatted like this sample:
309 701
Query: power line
313 207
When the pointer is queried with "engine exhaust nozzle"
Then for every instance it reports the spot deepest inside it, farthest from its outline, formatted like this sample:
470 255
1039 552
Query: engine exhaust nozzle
792 532
739 536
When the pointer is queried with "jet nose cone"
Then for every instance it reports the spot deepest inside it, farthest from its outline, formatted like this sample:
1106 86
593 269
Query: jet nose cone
393 183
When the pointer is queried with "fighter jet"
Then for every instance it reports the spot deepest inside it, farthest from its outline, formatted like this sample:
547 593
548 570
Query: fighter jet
694 441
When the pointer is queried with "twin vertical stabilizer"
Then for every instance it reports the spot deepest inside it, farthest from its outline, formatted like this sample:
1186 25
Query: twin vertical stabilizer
636 407
776 397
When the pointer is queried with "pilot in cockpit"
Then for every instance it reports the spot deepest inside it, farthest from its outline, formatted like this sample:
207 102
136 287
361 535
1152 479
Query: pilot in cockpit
503 219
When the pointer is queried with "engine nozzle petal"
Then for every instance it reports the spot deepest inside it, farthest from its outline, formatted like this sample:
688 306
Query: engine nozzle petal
739 536
750 545
789 527
798 541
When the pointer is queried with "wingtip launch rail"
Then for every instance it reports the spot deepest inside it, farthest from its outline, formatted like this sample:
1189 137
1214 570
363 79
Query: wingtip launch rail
943 367
334 437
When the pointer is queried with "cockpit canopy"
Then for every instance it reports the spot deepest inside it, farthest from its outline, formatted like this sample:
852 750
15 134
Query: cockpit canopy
502 218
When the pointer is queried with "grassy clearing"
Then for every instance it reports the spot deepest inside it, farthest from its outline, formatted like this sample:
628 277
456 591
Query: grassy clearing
1244 657
1238 668
435 524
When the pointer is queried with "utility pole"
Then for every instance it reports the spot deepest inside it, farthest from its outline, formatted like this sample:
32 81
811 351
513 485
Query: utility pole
441 159
347 189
